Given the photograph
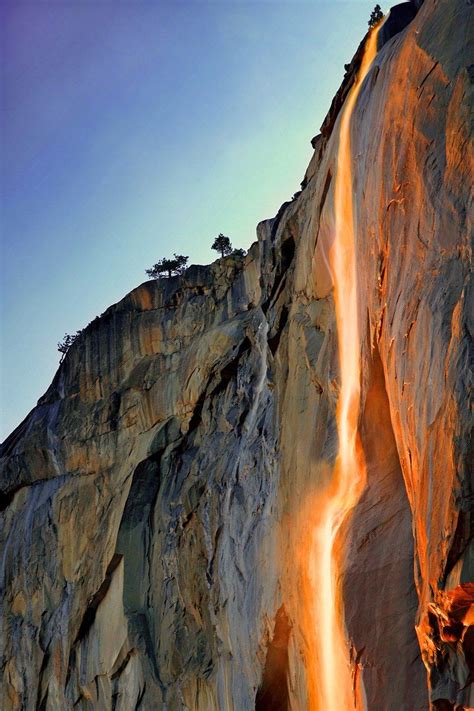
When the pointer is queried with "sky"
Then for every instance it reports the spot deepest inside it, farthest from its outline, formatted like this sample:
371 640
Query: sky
133 129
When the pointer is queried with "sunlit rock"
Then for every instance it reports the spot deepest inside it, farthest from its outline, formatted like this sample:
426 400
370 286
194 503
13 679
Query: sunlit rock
158 505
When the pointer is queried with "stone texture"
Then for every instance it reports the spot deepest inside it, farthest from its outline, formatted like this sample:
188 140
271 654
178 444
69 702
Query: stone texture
157 502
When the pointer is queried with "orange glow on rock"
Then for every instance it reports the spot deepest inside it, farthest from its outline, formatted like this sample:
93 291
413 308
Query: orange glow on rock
331 683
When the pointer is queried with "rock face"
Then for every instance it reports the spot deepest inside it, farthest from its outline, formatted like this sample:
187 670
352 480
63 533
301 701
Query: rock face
157 502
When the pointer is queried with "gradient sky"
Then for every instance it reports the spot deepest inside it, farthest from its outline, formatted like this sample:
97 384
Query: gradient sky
131 130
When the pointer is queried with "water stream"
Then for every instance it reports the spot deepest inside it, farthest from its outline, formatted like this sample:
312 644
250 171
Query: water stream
334 688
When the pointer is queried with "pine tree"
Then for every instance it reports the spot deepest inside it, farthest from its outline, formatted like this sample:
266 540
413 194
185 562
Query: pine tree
222 244
375 16
168 267
66 343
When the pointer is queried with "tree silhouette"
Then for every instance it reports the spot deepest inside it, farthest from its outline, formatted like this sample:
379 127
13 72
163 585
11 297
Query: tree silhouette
375 16
222 244
168 267
66 343
181 263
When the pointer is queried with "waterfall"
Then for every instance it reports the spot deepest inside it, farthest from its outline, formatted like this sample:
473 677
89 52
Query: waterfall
332 688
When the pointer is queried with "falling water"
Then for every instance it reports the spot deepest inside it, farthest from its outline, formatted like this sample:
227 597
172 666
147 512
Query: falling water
333 688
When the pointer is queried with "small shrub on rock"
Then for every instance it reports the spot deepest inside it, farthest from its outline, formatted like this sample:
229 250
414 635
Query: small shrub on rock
168 267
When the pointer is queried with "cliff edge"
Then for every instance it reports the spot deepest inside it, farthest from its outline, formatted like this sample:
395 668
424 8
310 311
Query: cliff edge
156 504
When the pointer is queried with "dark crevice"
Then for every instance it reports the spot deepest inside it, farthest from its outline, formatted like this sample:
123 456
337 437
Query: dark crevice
122 666
195 420
6 497
226 374
140 697
114 409
142 627
443 705
41 702
277 219
327 184
461 540
272 694
210 568
274 341
134 542
90 613
278 285
43 705
242 419
173 301
287 253
229 371
143 491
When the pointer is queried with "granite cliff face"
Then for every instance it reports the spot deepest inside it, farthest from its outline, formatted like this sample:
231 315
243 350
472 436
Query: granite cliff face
157 503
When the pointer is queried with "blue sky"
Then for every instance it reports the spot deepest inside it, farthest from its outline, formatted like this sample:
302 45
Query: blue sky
132 130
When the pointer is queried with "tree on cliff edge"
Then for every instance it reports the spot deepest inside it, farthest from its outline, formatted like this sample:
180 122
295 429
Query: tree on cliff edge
222 244
375 16
66 343
168 267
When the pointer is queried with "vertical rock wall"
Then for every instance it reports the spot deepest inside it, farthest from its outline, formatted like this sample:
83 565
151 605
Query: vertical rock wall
158 502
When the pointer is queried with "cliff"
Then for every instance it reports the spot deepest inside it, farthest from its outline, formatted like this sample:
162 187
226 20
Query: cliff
158 502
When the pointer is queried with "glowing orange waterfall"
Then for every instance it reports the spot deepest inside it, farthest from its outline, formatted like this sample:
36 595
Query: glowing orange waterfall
331 687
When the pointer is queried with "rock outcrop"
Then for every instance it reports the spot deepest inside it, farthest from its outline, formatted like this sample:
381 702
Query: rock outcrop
157 502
